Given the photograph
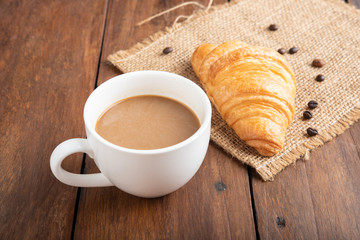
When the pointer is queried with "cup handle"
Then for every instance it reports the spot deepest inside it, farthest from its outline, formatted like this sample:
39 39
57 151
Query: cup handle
67 148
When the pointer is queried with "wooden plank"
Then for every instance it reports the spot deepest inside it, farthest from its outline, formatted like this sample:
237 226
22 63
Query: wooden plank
237 196
335 189
284 207
319 198
355 133
49 55
196 211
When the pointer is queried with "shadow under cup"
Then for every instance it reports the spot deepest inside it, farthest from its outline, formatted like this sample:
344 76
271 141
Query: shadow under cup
157 172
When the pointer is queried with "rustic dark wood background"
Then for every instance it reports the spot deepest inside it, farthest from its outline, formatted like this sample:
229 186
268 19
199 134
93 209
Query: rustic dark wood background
52 56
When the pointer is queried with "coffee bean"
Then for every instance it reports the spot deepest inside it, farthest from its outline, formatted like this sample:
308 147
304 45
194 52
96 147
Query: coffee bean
293 50
167 50
320 78
282 51
312 104
273 27
307 115
312 132
318 63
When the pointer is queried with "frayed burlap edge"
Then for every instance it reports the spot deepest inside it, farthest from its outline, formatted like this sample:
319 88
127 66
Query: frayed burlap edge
268 170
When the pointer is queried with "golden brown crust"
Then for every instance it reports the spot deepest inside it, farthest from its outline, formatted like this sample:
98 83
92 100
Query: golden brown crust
200 53
214 55
253 88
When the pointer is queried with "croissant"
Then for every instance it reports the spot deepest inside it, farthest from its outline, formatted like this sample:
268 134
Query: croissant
253 89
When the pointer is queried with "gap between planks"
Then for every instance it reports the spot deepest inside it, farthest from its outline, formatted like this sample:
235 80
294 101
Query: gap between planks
83 163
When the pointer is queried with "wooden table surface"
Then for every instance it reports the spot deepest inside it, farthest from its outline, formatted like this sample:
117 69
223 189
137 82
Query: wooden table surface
53 55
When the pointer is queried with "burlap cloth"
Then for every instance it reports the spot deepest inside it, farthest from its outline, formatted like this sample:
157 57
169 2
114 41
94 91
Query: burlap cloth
326 29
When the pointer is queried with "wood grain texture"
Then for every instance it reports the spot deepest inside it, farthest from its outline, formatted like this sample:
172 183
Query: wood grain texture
48 62
355 134
319 198
335 188
237 195
196 211
284 207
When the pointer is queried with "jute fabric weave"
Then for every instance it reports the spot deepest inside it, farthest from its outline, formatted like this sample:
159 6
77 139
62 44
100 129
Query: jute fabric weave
325 29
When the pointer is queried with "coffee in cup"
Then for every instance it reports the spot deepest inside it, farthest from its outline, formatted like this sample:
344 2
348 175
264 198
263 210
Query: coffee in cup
152 172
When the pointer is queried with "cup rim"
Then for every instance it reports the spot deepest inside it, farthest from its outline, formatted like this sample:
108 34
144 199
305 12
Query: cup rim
203 126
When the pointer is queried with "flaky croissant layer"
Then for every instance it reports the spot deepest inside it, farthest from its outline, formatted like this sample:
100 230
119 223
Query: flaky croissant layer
252 87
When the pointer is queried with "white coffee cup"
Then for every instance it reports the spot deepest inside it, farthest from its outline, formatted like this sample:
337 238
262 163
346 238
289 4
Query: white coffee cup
144 173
